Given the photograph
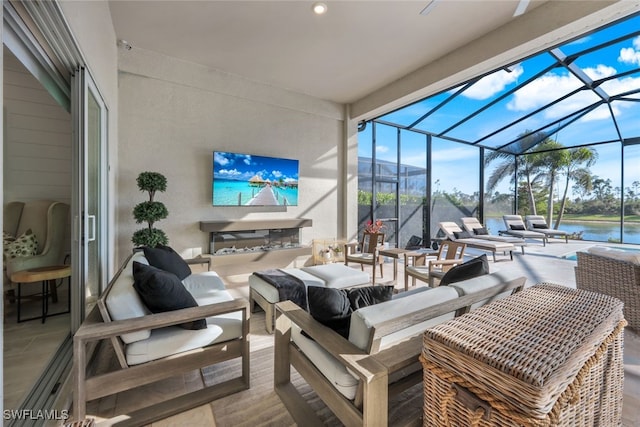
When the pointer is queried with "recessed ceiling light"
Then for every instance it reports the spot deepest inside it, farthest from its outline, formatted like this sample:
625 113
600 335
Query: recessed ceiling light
319 8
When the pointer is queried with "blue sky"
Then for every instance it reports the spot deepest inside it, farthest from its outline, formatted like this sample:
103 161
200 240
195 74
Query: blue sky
242 167
596 126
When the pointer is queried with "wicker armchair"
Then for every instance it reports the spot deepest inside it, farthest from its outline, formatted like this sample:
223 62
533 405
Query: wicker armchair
619 279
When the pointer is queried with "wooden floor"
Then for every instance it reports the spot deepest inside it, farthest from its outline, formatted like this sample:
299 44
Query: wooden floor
259 406
29 346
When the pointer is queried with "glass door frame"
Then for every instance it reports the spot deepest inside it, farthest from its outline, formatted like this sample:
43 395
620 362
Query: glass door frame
85 227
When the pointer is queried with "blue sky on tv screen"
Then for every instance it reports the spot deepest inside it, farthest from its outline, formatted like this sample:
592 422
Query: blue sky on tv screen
243 167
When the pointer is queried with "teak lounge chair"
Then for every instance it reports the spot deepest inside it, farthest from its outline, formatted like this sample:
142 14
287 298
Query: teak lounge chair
475 227
539 224
515 226
455 234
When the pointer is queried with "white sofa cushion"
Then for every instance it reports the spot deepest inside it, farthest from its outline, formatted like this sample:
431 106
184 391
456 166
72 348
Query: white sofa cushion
338 275
206 280
270 292
331 368
480 283
363 319
123 302
171 340
619 254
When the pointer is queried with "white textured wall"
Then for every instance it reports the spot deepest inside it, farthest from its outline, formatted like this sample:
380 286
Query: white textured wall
37 163
174 114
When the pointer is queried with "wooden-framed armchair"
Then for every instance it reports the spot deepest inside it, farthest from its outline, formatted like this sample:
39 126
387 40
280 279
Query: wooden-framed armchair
356 376
151 347
366 252
428 268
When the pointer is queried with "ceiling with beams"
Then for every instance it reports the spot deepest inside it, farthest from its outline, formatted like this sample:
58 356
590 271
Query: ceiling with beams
585 91
354 49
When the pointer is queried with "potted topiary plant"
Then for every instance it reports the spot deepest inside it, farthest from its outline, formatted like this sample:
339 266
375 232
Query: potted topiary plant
150 211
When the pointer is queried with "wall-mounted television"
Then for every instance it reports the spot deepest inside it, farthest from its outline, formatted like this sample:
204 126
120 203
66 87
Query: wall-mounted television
249 180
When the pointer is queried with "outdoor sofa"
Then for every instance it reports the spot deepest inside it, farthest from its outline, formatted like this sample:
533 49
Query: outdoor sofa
356 376
151 347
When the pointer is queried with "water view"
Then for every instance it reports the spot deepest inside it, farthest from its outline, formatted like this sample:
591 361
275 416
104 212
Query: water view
228 192
592 230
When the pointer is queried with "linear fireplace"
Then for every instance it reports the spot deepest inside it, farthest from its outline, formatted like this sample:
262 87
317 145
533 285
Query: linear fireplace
246 236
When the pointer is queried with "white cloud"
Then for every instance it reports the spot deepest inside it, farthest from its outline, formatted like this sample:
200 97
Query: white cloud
220 159
455 154
382 149
493 83
247 160
548 87
631 55
230 172
276 174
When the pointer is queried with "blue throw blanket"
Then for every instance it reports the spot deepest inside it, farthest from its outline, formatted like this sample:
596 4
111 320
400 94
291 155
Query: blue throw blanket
289 287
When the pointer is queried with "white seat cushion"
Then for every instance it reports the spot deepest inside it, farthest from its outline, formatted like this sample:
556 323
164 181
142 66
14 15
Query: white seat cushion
171 340
363 319
331 368
338 275
270 292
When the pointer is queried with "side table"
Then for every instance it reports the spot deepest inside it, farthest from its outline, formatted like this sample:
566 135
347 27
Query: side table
395 254
48 276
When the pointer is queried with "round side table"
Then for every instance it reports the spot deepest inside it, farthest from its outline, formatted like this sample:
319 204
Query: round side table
48 276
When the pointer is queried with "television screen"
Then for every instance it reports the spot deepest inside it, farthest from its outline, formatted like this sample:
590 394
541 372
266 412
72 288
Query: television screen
248 180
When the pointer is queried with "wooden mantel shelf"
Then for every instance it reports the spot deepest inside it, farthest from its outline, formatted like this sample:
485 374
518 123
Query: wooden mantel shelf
258 224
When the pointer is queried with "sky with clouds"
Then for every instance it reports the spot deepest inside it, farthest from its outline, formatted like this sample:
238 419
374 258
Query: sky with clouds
456 162
243 167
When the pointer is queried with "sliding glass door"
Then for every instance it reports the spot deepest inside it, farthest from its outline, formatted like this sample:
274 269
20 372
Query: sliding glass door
89 204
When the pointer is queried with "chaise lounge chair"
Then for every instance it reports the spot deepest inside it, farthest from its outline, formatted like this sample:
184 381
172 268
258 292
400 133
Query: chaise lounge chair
515 227
456 234
539 224
475 227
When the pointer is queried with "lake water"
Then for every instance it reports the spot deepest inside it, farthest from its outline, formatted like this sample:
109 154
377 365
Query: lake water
592 230
226 191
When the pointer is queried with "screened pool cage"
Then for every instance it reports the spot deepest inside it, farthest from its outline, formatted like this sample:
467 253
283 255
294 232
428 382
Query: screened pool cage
555 134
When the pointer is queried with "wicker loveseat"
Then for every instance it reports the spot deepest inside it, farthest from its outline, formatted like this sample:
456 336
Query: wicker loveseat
615 273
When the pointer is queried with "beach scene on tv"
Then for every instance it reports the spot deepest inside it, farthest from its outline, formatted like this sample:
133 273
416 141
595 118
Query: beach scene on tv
248 180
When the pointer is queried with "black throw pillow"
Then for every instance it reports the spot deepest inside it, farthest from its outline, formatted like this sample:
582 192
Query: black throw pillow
543 226
468 270
333 307
163 291
518 227
480 231
165 258
462 234
369 295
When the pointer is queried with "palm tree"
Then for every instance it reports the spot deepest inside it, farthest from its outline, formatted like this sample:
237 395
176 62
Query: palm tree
575 167
530 168
550 155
